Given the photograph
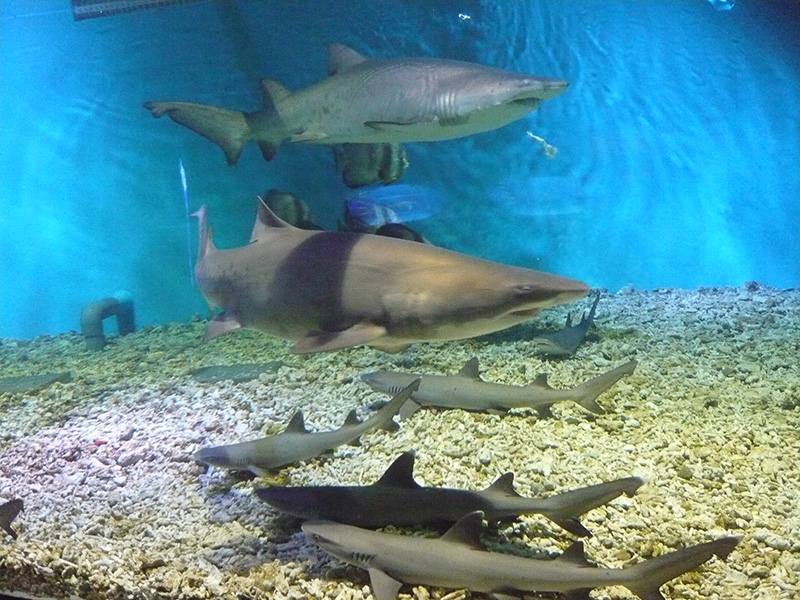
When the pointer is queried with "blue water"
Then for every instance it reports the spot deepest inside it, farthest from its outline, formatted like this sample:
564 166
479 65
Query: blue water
676 145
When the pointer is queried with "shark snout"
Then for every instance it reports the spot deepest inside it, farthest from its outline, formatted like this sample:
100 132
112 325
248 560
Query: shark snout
540 88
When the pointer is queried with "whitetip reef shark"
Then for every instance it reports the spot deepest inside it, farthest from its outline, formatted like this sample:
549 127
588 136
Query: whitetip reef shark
329 290
296 443
371 101
468 391
397 499
564 342
459 560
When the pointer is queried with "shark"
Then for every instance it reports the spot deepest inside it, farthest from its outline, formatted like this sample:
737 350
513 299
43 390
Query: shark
468 391
373 102
459 560
564 342
8 512
328 290
296 443
397 499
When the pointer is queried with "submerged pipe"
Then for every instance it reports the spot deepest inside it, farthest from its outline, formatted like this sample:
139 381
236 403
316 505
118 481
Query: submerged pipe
119 305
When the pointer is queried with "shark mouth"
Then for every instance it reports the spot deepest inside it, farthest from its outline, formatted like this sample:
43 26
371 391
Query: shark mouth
527 312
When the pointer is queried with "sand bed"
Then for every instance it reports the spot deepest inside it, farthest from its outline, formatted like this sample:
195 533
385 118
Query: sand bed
115 507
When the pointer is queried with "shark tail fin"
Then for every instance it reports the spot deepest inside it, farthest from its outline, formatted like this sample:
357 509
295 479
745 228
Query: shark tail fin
588 391
645 578
229 129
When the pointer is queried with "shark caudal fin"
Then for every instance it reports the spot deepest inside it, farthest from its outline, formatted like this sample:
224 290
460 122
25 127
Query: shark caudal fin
590 390
645 578
229 129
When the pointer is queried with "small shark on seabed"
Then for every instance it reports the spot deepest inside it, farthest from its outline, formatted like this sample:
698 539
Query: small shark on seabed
328 290
8 512
296 443
468 391
397 499
564 342
371 101
459 560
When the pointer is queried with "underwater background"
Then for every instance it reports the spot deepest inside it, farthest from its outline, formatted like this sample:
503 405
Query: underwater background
677 163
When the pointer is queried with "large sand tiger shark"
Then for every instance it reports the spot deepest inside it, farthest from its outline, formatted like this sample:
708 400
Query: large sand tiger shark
371 101
329 290
459 560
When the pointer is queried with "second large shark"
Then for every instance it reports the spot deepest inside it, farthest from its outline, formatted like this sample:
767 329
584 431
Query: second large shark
372 101
332 290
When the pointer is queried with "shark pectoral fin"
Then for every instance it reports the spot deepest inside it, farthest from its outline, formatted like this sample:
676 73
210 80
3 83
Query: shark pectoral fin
383 586
221 324
592 406
574 526
321 341
408 409
268 150
391 348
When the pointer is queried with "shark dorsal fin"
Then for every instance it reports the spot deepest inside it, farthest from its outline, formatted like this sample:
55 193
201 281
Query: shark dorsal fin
265 221
590 319
504 485
471 369
574 555
297 424
352 418
273 92
341 58
541 381
467 531
400 473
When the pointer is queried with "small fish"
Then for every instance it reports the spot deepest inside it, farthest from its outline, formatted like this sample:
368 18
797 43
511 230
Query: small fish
564 342
398 203
397 499
9 512
460 560
365 164
296 443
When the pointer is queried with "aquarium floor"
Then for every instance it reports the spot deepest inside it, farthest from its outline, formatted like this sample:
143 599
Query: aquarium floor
116 508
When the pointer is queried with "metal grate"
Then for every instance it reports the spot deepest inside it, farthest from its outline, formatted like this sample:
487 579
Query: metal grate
91 9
